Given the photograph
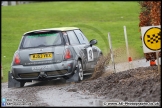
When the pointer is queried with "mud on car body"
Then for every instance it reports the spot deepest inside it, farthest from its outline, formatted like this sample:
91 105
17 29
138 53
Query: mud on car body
53 53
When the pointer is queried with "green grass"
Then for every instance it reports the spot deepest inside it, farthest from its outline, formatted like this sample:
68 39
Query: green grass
95 19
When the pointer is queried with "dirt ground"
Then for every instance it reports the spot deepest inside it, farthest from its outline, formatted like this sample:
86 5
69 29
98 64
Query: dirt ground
136 85
141 84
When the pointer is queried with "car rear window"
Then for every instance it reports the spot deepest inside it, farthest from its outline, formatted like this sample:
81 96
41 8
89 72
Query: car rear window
41 39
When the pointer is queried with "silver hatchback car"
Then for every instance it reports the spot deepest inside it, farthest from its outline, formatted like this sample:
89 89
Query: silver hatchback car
53 53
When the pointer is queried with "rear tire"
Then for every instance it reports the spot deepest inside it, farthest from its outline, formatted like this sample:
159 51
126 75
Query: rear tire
22 83
14 83
80 71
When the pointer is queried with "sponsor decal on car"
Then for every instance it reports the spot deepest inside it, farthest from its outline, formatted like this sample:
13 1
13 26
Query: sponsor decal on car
40 68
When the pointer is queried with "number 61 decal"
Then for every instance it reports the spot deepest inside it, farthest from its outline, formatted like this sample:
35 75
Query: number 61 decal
90 54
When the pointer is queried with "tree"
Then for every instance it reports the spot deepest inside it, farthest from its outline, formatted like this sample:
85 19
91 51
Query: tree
150 13
9 3
17 2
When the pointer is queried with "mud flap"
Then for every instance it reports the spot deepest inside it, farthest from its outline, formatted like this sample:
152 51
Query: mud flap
12 82
75 77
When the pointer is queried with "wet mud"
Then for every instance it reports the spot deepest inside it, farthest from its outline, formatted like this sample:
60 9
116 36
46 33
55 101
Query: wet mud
135 85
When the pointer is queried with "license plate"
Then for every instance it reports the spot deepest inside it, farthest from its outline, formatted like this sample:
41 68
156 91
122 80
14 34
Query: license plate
41 56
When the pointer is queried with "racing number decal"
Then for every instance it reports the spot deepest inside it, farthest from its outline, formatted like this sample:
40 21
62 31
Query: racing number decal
90 54
152 38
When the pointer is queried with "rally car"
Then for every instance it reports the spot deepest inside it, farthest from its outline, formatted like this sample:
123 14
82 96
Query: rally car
53 53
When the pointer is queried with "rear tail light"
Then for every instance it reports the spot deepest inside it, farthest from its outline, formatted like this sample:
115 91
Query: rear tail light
17 59
67 54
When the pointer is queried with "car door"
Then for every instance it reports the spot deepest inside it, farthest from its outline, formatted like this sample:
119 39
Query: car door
89 51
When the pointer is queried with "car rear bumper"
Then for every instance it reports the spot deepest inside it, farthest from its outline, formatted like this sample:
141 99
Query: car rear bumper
47 71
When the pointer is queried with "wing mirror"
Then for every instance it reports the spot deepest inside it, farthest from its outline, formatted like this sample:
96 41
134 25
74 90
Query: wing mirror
93 42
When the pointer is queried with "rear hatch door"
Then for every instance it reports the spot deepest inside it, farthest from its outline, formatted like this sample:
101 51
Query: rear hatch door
41 48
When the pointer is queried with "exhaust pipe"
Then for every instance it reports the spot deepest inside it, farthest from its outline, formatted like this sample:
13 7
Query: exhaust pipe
42 76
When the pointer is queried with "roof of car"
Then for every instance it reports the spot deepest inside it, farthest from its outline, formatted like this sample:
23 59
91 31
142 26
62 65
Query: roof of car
56 29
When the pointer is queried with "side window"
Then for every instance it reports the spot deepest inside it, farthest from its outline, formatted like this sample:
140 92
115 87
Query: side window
72 37
81 37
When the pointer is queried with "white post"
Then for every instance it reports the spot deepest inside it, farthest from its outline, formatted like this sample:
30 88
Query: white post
111 52
157 57
126 41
